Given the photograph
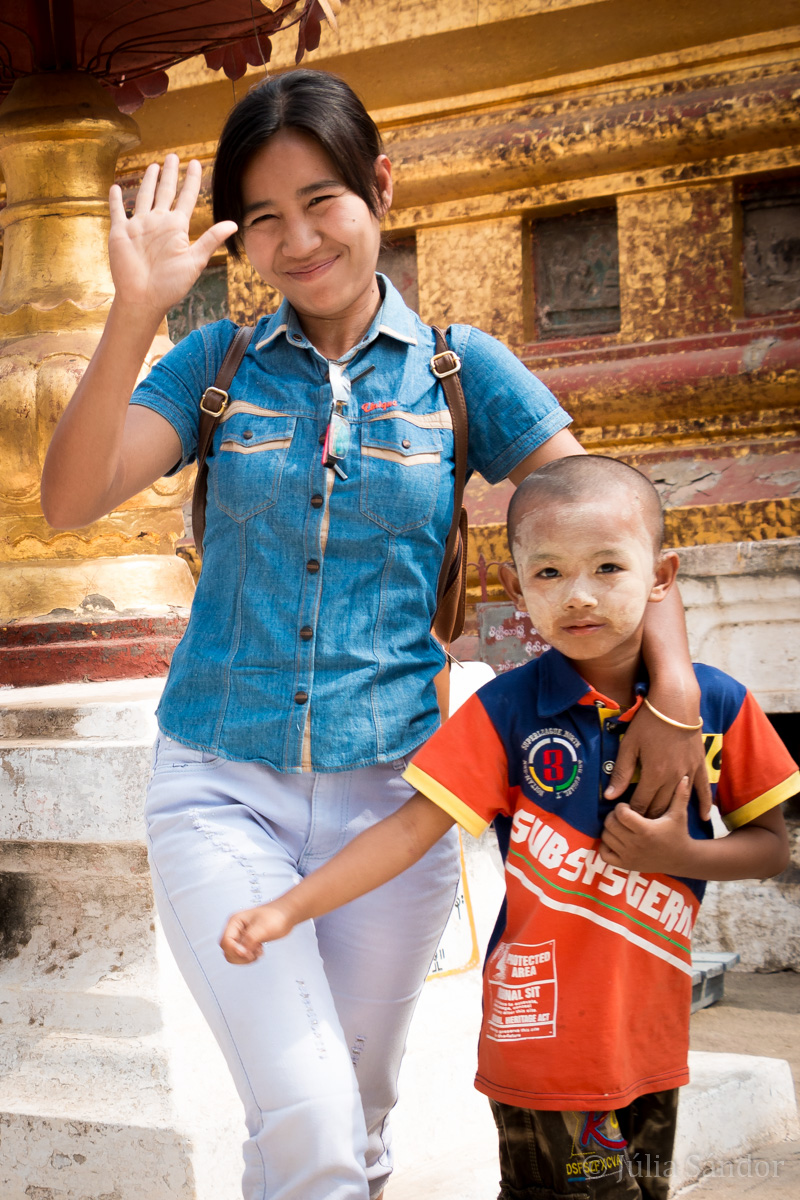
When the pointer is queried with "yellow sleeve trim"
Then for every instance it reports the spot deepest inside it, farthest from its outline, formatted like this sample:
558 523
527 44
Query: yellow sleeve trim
763 803
451 804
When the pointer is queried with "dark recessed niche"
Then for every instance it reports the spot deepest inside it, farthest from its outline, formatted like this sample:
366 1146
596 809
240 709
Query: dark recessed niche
576 274
787 726
771 245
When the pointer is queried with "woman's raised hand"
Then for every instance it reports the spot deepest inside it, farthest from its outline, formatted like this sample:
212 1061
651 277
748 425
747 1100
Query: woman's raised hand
153 262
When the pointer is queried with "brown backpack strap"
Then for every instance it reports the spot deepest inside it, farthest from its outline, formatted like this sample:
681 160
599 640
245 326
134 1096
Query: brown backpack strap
448 621
213 403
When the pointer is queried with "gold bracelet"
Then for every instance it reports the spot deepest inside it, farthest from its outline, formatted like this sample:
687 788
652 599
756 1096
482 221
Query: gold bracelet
669 720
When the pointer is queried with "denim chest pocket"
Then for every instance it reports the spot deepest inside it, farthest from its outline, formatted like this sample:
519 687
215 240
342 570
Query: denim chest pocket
248 463
401 468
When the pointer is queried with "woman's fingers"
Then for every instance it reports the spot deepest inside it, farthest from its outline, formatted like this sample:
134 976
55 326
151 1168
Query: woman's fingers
623 768
167 184
159 187
187 197
212 239
703 789
650 799
666 754
116 207
147 190
153 263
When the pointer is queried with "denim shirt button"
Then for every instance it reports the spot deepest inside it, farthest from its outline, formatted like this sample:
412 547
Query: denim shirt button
301 697
306 633
248 433
317 501
312 566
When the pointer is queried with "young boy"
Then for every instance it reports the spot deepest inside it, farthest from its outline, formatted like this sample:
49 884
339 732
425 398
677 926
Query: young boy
587 983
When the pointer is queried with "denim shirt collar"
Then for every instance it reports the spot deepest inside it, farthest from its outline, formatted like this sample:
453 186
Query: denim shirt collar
392 319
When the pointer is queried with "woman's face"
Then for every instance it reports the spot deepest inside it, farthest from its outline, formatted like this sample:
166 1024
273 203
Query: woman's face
307 234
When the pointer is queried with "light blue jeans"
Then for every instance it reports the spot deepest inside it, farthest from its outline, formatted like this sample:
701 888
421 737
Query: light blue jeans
314 1031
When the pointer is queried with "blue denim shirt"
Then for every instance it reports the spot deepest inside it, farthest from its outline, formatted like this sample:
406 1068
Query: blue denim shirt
309 644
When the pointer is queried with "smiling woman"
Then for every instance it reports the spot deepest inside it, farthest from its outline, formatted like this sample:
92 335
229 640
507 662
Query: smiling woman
306 678
313 238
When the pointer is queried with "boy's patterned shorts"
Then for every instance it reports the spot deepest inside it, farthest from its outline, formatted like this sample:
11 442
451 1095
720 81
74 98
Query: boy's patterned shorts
622 1155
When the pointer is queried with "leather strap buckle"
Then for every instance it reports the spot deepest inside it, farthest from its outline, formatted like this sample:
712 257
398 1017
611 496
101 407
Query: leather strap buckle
223 402
453 361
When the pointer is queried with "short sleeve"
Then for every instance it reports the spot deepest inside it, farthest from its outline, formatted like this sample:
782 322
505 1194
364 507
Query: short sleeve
463 768
176 383
511 412
756 773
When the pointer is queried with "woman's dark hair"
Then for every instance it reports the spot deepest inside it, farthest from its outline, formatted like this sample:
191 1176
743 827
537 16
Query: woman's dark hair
314 102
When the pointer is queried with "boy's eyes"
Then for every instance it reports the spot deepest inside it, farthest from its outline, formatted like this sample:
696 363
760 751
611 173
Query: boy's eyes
606 568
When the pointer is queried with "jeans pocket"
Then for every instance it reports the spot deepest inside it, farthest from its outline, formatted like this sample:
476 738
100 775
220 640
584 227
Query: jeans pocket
169 755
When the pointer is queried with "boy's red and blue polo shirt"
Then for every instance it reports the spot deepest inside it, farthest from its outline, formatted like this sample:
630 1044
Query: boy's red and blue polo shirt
587 984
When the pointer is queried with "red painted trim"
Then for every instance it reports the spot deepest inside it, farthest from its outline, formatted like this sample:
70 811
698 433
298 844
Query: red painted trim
749 353
40 652
607 345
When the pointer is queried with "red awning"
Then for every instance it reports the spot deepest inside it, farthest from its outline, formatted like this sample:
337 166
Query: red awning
128 44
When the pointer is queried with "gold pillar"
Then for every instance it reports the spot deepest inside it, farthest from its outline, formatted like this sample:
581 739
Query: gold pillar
678 261
59 140
478 273
249 297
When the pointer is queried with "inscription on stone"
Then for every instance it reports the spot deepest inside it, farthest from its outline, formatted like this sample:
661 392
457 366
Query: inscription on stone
576 274
506 637
771 246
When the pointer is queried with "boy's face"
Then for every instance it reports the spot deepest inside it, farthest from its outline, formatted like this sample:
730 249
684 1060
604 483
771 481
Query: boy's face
585 573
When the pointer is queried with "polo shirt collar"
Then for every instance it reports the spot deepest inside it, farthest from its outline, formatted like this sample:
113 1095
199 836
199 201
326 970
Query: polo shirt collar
561 687
392 319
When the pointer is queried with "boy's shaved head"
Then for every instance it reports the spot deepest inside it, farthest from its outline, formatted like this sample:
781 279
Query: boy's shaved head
605 481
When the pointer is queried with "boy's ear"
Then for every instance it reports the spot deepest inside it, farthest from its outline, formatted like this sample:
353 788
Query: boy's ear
666 571
510 581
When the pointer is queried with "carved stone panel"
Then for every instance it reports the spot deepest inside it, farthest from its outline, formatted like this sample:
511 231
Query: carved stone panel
771 246
207 301
576 274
